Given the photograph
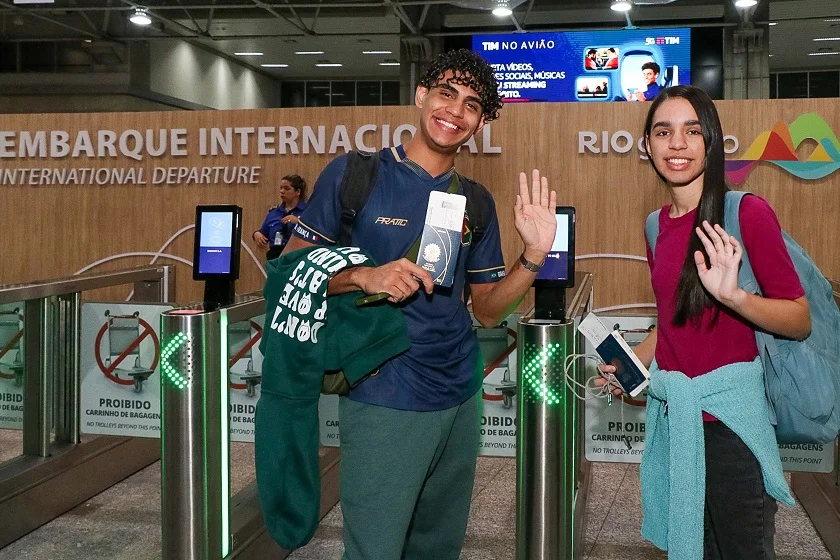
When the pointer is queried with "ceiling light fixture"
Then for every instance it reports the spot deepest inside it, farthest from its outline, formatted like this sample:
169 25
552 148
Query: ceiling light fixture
376 52
389 64
745 3
773 23
249 53
502 9
274 65
309 52
621 6
140 17
329 65
827 39
823 53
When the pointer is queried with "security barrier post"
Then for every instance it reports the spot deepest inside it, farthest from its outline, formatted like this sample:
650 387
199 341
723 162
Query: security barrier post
39 341
194 440
551 475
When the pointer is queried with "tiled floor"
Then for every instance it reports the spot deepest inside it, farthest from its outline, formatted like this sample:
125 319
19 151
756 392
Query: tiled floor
613 520
11 444
123 523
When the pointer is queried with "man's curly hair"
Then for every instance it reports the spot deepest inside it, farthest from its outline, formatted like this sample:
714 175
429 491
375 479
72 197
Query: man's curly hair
468 70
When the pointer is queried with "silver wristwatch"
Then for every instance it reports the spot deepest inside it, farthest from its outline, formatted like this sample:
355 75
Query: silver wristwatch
533 267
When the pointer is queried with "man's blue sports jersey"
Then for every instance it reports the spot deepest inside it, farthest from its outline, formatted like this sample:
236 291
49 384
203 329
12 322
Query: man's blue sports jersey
443 367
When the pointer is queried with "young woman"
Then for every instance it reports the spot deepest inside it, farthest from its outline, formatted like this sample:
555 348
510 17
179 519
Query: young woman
705 350
281 219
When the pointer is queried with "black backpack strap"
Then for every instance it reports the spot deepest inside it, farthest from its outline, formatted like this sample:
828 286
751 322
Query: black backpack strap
478 208
479 211
356 185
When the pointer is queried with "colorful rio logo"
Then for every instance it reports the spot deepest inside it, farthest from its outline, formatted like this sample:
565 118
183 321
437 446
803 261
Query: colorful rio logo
778 146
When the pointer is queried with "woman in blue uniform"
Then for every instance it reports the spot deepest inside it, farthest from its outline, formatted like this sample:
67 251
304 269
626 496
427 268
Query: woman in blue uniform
281 219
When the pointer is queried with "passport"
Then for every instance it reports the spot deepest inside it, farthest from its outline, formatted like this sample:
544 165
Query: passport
441 239
630 372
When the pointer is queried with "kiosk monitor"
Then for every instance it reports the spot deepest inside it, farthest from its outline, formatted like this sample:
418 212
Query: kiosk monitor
558 271
218 235
218 232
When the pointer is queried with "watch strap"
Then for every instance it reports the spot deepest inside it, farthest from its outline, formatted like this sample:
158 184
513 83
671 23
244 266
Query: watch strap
533 267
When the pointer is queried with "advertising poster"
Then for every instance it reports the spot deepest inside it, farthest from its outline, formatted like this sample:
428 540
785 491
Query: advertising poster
119 358
615 432
245 376
592 66
11 366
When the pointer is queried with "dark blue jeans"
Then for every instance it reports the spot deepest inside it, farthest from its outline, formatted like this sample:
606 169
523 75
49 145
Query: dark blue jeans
740 517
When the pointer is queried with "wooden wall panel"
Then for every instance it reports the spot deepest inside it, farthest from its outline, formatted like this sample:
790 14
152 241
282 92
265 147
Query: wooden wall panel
50 230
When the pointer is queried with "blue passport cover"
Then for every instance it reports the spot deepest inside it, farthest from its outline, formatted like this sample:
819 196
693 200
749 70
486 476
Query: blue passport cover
439 253
626 371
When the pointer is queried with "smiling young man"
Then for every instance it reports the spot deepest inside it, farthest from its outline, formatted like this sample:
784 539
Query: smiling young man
410 433
650 75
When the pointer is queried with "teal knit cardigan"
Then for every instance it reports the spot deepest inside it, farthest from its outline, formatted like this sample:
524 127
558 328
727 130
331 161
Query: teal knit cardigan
673 470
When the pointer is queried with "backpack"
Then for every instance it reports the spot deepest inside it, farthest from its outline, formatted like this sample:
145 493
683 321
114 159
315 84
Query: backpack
356 185
801 378
360 177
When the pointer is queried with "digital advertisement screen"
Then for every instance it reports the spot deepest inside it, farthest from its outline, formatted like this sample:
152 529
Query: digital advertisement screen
556 265
215 244
626 65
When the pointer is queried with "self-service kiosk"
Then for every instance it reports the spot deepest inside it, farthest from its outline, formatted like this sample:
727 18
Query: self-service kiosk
552 475
195 439
557 273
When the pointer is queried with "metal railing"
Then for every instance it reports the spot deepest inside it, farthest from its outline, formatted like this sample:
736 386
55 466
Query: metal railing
52 397
147 279
51 345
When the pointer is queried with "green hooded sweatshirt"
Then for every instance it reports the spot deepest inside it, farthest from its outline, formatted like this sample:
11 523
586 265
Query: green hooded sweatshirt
307 334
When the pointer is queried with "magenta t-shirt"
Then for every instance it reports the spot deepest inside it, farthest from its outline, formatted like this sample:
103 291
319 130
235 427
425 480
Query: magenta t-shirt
695 349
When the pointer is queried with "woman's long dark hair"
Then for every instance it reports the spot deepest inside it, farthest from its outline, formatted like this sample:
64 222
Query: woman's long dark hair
691 297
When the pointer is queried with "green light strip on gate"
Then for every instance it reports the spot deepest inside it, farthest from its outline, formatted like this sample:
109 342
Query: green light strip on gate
170 371
533 374
225 432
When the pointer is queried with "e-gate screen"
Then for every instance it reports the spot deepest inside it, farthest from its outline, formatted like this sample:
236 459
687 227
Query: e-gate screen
215 245
626 65
556 265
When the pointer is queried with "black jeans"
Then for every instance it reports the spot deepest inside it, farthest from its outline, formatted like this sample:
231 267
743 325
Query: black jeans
740 517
